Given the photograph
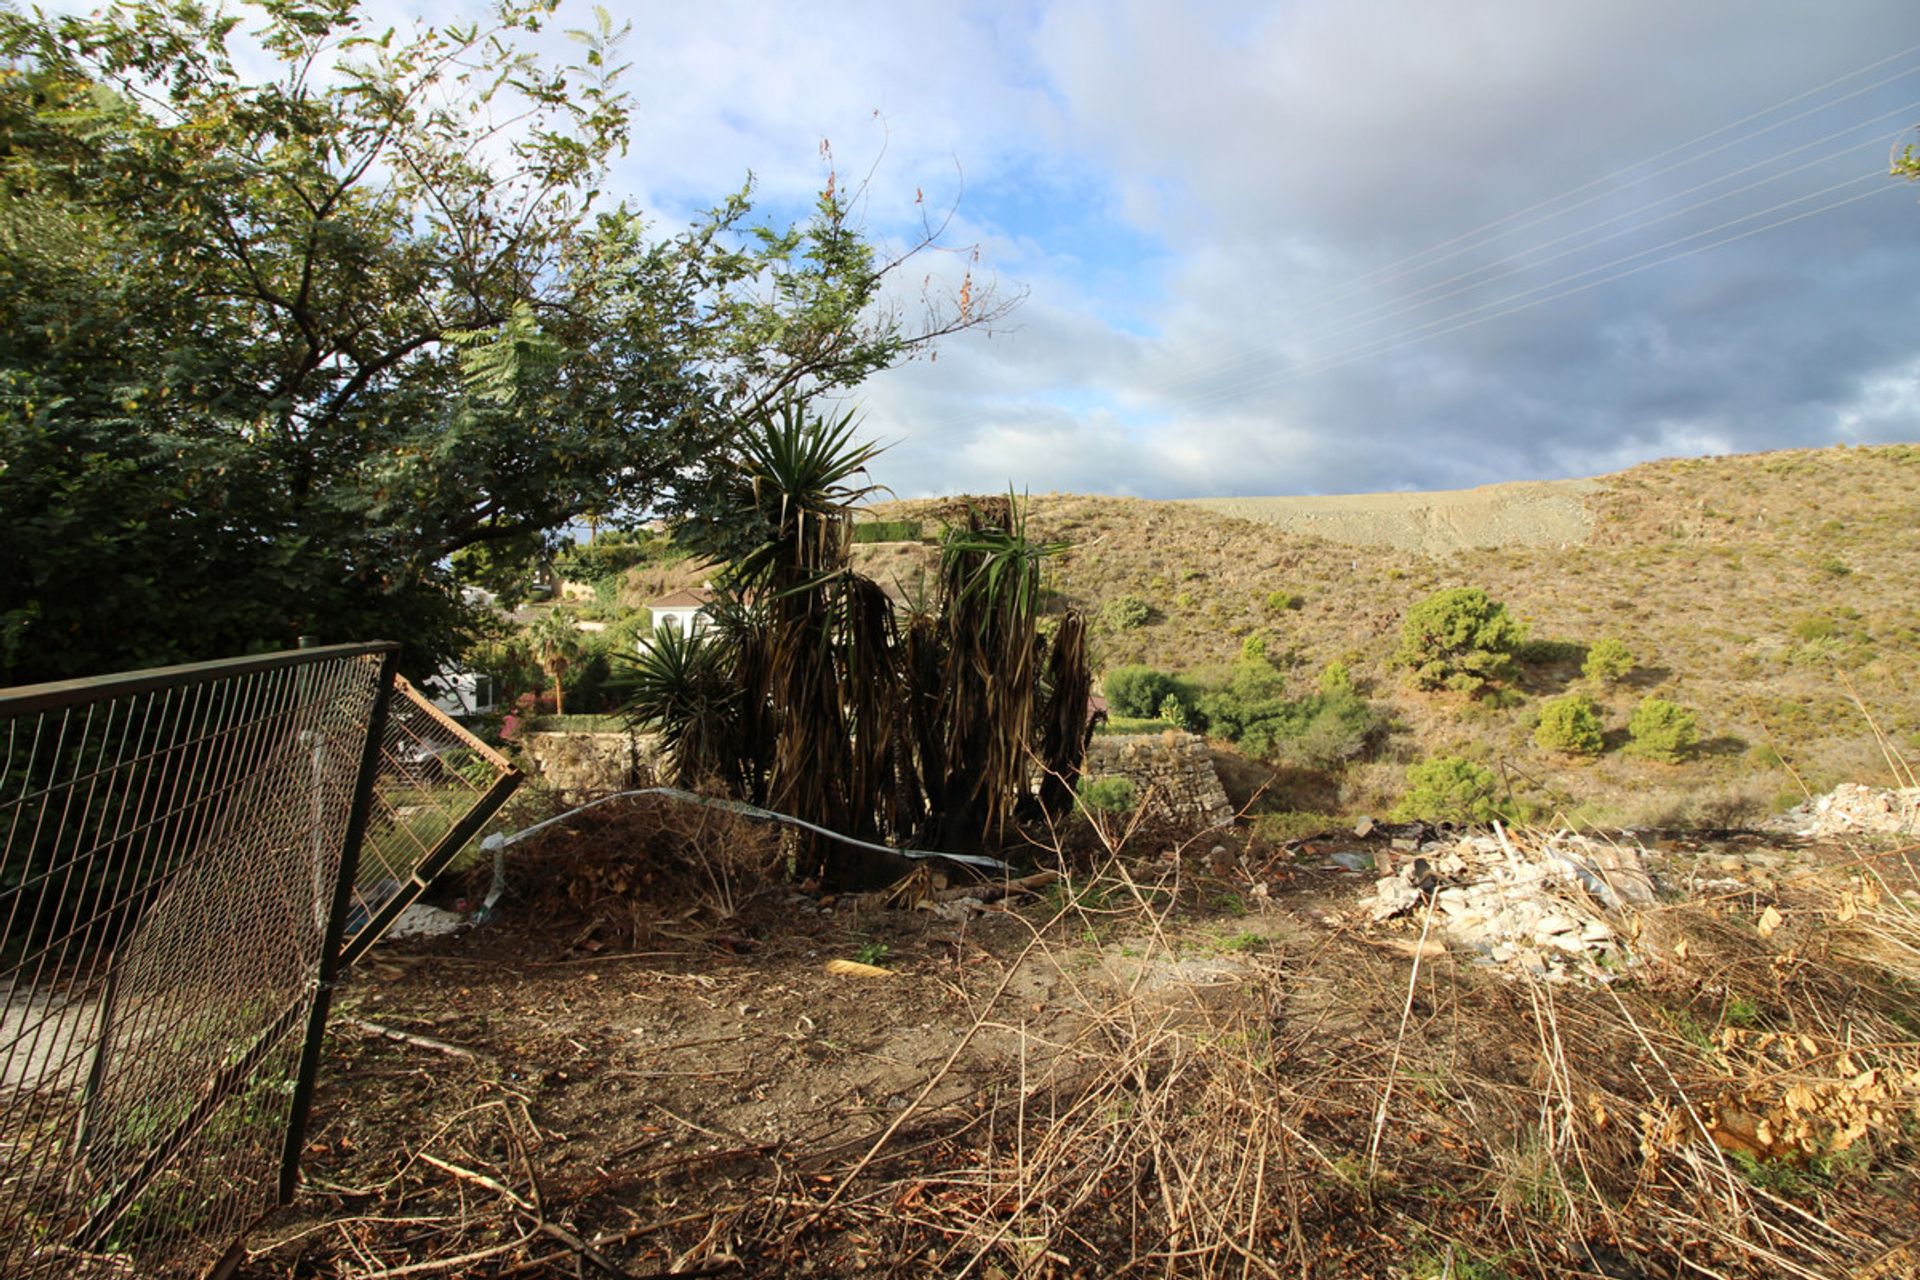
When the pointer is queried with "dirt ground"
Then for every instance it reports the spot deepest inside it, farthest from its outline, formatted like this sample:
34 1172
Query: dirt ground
1526 513
1188 1061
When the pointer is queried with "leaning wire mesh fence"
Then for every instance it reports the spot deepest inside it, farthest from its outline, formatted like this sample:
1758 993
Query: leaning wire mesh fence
170 854
437 784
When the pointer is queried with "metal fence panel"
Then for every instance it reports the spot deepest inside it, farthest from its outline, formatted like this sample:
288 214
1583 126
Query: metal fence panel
437 786
171 850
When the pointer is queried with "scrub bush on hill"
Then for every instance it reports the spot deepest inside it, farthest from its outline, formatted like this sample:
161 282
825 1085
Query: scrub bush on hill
1571 725
1450 789
1124 613
1609 661
1662 730
1458 639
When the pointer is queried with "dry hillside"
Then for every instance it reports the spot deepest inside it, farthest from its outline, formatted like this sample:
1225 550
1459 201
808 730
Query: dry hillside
1758 589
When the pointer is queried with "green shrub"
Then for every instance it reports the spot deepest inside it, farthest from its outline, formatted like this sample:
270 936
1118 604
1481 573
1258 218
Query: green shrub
1336 677
1281 601
1123 613
1449 789
1458 639
1662 730
1136 691
1609 661
1110 796
887 531
1570 725
1253 711
1254 647
1175 712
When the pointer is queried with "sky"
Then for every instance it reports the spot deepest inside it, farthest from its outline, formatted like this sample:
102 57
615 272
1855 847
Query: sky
1329 246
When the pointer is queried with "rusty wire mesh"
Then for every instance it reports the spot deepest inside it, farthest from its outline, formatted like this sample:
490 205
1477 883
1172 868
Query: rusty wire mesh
170 856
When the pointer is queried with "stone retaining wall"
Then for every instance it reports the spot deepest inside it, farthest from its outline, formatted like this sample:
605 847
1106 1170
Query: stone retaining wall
583 765
1172 772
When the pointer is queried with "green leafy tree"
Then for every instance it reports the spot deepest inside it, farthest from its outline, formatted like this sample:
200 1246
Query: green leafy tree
1458 639
1137 691
274 346
1608 661
1570 725
1662 730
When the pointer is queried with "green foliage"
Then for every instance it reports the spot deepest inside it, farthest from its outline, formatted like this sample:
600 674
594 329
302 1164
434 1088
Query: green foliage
1252 709
510 568
1335 678
887 531
1609 661
1450 789
1124 613
1109 797
1661 730
274 344
1253 648
1137 691
1175 712
1570 725
606 558
1458 639
1281 601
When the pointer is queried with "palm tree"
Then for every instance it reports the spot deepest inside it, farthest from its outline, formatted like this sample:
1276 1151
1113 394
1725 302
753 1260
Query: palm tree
555 643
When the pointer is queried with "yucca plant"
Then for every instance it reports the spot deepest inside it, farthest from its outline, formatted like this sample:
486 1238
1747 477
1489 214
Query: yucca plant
926 728
685 687
990 598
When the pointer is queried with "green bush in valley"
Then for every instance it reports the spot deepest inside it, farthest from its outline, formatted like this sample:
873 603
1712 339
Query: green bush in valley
887 531
1458 639
1662 730
1253 711
1609 661
1136 691
1253 648
1110 796
1449 789
1123 613
1571 725
1175 712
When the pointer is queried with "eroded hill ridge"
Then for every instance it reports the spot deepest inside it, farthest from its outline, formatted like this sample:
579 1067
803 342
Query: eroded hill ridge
1521 513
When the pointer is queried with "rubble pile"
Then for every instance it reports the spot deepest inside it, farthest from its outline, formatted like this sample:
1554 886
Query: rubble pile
1552 905
1851 809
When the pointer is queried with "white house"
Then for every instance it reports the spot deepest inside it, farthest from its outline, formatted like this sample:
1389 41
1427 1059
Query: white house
459 693
684 612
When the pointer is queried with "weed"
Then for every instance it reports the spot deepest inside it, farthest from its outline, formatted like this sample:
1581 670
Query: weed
874 953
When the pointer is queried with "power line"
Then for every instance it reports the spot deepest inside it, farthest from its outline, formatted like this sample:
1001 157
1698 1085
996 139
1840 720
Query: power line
1403 304
1497 310
1368 278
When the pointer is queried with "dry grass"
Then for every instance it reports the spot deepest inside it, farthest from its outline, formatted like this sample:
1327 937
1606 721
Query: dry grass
1744 585
1168 1101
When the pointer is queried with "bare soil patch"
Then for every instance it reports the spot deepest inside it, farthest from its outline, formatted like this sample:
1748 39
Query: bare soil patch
1186 1062
1528 513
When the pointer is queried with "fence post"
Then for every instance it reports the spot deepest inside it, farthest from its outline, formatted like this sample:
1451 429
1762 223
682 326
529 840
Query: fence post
330 942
